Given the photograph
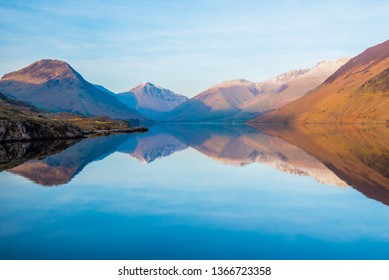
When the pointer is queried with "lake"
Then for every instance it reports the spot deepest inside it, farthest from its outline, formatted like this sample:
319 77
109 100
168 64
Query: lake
199 192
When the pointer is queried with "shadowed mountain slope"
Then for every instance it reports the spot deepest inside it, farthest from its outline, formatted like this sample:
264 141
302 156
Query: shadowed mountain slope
21 121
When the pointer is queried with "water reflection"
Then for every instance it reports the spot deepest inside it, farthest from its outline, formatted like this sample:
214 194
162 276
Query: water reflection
199 192
60 168
14 154
357 157
358 154
159 142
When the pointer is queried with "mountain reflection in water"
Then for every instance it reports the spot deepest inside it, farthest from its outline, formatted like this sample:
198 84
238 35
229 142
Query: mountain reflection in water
340 156
199 192
357 154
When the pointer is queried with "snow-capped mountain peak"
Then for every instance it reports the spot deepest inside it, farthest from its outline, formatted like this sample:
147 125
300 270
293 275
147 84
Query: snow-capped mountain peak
288 76
236 82
326 67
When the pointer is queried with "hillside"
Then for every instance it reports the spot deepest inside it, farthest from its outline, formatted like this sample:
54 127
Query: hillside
216 103
356 93
288 87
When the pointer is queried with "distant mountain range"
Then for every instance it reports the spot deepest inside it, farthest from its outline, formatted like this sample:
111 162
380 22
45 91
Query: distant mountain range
358 92
288 87
339 90
55 86
241 100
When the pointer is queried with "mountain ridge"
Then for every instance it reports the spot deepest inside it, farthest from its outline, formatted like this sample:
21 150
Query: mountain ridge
240 100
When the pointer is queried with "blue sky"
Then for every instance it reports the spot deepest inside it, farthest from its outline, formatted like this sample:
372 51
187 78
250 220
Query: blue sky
186 46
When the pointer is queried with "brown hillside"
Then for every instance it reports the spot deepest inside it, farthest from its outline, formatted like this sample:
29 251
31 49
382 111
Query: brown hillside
356 93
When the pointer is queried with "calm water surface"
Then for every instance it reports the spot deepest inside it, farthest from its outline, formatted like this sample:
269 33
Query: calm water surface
195 192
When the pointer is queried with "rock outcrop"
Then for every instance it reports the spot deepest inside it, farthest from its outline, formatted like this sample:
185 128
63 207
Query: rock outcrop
25 130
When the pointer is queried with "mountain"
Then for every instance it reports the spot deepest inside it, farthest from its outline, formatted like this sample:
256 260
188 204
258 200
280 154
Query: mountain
55 86
10 107
216 103
241 100
287 87
151 100
358 92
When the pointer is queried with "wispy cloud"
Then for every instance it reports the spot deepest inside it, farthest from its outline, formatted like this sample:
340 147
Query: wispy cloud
205 40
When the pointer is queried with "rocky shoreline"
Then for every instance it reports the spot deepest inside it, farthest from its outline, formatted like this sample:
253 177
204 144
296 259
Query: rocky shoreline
99 132
30 130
